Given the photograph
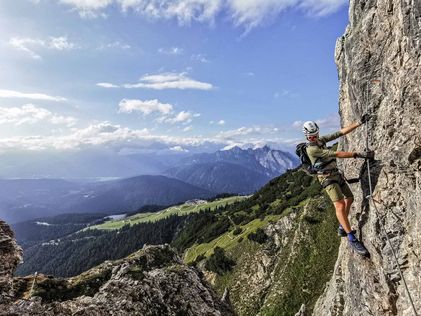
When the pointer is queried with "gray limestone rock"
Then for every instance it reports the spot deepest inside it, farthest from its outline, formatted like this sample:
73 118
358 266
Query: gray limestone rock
379 66
10 256
152 281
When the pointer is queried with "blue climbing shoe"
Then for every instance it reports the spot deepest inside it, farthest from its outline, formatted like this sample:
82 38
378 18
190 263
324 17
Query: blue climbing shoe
357 245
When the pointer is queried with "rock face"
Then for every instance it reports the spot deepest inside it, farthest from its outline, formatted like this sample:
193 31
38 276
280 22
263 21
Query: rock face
10 256
379 65
152 281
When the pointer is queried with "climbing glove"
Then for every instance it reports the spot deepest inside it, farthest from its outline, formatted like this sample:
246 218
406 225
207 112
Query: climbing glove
365 118
366 155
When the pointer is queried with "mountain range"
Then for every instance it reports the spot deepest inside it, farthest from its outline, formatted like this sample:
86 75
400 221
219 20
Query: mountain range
240 171
234 171
24 199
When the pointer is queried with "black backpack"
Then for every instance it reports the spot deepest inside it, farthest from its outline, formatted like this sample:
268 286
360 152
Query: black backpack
301 151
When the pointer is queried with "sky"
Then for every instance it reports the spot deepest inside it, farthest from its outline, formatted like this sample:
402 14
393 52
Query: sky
161 75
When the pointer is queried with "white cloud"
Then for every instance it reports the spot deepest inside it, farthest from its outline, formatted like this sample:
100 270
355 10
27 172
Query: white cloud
249 74
322 7
146 107
184 117
220 122
31 114
98 134
164 110
60 43
284 93
106 85
116 44
171 51
187 128
24 43
29 45
181 117
89 8
245 13
242 131
169 80
239 133
32 96
178 149
200 58
253 13
123 139
185 11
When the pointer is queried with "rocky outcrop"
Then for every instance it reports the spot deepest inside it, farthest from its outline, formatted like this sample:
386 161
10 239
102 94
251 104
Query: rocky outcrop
152 281
10 256
379 66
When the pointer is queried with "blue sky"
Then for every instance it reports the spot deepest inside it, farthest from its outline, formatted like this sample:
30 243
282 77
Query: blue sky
181 75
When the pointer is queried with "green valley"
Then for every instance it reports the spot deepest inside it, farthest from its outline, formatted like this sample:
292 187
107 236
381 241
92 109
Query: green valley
179 210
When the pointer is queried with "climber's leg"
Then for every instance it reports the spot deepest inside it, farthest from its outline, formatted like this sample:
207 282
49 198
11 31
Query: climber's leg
342 215
348 203
338 198
349 197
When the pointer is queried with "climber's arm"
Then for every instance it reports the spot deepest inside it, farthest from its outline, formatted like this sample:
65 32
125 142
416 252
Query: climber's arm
364 119
349 129
342 132
344 154
350 154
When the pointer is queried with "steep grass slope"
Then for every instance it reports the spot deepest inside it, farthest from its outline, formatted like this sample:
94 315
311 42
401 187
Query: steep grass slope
290 260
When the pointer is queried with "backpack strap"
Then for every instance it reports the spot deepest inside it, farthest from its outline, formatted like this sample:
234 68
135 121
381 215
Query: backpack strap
321 164
328 182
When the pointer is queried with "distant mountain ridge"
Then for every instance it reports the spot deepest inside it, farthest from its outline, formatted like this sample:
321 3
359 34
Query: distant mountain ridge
235 170
24 199
202 175
132 193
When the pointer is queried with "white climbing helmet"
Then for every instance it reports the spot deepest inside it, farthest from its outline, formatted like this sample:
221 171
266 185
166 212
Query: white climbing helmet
310 128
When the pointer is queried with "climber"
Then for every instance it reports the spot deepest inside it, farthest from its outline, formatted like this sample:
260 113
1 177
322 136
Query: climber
323 160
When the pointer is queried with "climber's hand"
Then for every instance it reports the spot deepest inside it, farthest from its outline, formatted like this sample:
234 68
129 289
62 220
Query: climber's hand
366 155
365 118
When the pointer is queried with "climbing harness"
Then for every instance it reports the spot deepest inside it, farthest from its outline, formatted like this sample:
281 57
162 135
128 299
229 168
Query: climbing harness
370 198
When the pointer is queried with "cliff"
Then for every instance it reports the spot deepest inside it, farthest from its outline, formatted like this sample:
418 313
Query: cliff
379 66
10 256
152 281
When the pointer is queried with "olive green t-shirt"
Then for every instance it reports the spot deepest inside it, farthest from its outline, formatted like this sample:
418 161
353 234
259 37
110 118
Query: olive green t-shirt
318 152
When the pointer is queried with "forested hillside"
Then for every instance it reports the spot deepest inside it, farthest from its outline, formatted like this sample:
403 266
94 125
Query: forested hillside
280 235
78 252
273 252
69 255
